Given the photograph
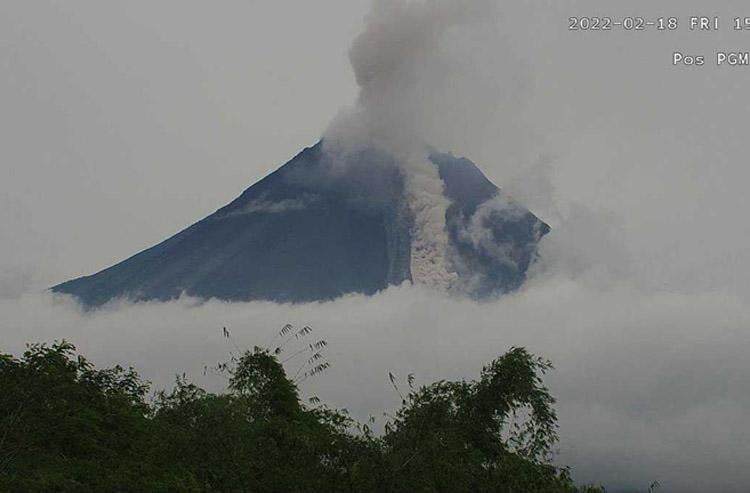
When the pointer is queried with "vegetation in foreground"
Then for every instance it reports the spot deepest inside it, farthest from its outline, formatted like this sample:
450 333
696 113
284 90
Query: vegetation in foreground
66 426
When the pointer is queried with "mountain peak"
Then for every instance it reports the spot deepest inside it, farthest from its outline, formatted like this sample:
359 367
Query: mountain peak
315 230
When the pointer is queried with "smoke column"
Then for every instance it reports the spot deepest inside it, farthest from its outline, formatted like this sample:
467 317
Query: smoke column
405 63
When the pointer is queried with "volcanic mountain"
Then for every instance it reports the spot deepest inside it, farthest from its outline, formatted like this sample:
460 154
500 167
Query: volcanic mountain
316 229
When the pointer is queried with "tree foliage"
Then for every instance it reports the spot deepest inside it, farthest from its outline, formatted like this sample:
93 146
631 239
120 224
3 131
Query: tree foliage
66 426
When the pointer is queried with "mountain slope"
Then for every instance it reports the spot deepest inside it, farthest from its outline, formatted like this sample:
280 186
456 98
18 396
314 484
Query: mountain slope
311 231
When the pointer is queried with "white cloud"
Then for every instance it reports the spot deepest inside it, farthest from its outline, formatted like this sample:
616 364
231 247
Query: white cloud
650 385
275 207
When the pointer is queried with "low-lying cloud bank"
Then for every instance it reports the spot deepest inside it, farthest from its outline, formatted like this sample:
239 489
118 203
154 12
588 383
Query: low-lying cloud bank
651 386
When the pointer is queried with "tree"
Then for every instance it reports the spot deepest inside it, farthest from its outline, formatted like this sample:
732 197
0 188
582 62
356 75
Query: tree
469 436
65 426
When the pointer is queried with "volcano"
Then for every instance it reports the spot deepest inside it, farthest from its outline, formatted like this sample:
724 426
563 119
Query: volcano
315 230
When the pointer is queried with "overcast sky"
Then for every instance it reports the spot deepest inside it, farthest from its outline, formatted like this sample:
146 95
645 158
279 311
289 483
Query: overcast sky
123 122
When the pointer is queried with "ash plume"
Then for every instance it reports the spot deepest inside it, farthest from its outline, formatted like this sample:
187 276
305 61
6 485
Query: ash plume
409 63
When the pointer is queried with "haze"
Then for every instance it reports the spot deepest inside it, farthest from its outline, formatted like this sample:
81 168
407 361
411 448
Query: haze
122 123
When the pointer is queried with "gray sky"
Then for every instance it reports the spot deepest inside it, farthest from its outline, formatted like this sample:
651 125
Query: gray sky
123 122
